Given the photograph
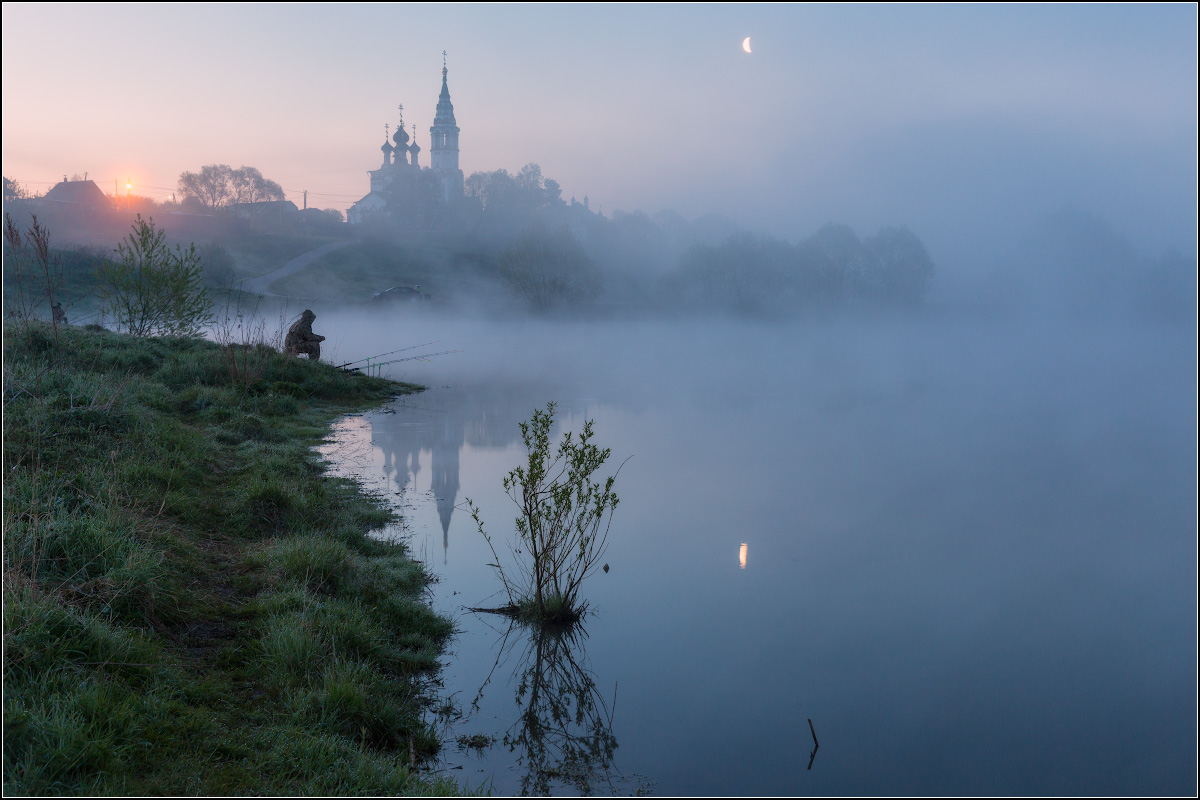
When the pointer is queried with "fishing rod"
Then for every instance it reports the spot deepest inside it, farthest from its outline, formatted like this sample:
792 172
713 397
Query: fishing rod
381 364
381 355
421 357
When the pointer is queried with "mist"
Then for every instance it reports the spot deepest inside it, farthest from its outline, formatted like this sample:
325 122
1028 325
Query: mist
961 124
954 521
967 127
902 302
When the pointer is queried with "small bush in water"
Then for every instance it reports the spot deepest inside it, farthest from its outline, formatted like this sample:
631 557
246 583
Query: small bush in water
563 525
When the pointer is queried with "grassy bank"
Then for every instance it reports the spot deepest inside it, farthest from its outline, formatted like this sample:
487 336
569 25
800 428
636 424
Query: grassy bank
190 605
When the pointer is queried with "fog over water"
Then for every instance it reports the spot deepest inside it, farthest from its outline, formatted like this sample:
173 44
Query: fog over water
893 315
969 549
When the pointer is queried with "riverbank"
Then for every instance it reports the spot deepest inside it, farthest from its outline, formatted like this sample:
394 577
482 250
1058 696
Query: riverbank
190 605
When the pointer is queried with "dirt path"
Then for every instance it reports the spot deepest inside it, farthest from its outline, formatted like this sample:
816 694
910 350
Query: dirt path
259 285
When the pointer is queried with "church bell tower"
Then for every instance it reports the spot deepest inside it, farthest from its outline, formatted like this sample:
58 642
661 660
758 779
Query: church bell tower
443 150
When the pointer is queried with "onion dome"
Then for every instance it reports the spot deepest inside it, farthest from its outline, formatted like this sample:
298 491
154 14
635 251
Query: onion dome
401 138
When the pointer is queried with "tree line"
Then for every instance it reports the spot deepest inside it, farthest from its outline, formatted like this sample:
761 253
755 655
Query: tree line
745 274
558 255
756 275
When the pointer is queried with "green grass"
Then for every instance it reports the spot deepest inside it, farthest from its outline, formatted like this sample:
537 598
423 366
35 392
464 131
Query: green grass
190 605
257 253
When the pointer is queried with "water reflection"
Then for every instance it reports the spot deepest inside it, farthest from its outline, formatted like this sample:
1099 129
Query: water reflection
449 420
563 734
742 555
986 529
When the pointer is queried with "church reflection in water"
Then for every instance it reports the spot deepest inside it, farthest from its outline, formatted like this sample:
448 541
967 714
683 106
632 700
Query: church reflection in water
442 422
562 738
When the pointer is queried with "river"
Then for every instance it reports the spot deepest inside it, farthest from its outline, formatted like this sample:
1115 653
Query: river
964 550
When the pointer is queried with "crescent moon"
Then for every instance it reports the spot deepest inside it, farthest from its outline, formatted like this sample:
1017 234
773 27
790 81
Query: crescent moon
746 44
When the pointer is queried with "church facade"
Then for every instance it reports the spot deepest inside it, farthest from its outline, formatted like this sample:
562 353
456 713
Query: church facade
401 186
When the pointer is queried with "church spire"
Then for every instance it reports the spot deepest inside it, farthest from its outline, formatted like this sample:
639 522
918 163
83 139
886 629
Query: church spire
445 109
443 147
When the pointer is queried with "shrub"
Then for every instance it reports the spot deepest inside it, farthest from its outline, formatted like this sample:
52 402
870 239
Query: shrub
563 525
152 291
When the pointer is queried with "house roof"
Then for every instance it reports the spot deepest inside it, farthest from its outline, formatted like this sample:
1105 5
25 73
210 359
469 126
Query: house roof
83 193
372 202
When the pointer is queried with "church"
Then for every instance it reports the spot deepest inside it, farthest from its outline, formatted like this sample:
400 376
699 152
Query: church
400 187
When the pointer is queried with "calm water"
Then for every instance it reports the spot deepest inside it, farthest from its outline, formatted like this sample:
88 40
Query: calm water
966 552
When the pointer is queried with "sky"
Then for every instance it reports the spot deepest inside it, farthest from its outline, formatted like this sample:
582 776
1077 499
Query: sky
957 121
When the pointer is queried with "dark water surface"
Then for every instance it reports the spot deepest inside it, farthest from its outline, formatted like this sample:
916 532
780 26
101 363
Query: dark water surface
965 551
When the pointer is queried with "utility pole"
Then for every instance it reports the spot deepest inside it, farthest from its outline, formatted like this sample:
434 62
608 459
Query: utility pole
306 199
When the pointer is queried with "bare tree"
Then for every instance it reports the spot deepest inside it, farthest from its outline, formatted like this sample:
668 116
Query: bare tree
210 186
36 273
247 185
13 190
217 185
